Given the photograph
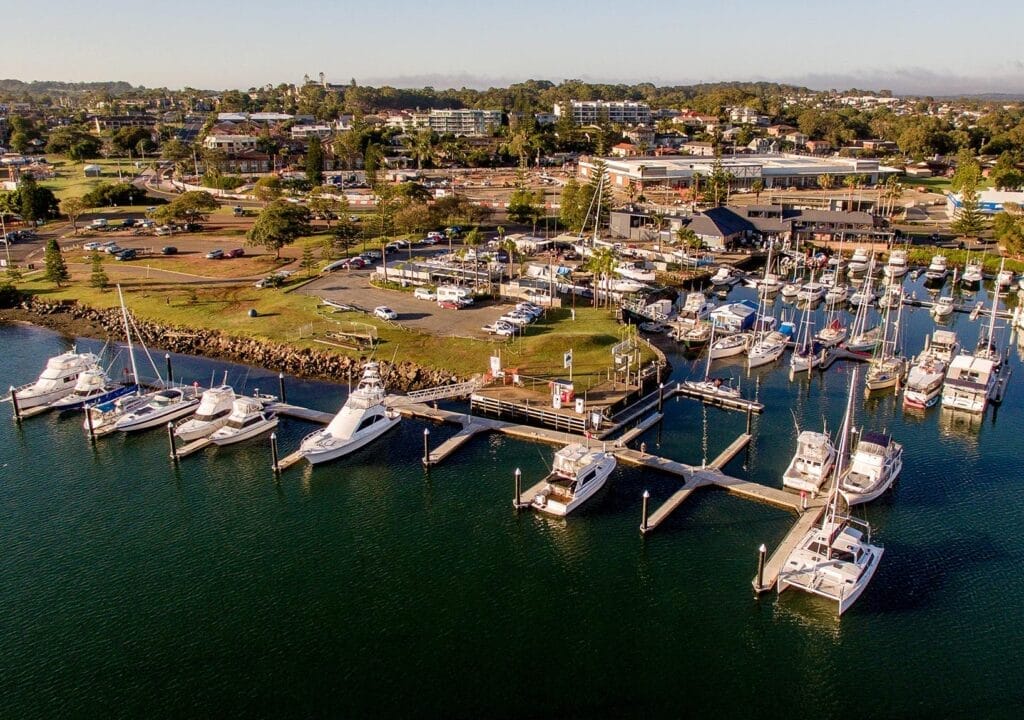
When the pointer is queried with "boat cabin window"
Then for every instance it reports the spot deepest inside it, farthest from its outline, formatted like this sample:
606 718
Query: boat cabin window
368 422
588 477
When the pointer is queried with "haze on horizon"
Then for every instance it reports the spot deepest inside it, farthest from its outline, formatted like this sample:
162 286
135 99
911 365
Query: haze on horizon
936 47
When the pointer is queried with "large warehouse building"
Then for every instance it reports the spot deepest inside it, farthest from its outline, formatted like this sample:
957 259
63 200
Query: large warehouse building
774 170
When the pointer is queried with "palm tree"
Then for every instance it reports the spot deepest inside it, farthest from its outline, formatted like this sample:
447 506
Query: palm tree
850 182
758 187
472 240
602 264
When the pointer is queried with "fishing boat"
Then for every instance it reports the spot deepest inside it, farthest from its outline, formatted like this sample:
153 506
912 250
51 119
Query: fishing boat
970 382
943 307
576 474
937 270
164 406
811 464
692 334
92 386
211 415
924 381
897 264
363 418
790 290
57 380
811 292
835 559
1005 278
247 420
973 274
875 463
726 276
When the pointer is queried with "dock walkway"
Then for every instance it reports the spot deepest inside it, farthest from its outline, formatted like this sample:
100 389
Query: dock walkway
774 565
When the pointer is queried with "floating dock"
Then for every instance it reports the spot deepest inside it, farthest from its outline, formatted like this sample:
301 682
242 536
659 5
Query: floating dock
711 398
773 567
193 447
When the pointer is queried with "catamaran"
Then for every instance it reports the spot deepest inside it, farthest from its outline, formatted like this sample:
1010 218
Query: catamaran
834 559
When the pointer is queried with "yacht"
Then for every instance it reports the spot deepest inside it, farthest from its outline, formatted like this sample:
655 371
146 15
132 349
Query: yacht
831 335
973 274
92 386
875 464
859 261
790 290
637 271
1005 278
834 559
924 381
247 420
767 349
576 474
888 366
806 353
363 418
726 276
696 306
864 296
897 265
709 386
892 297
969 384
58 379
811 464
837 294
693 334
101 418
811 292
937 270
730 345
943 307
163 407
211 415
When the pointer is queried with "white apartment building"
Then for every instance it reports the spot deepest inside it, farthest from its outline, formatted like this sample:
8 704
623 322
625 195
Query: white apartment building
468 123
230 143
590 112
300 132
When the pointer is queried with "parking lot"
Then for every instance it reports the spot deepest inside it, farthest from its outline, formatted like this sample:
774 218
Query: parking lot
352 287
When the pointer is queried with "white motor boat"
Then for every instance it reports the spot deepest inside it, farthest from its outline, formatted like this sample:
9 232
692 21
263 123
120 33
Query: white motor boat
636 271
767 349
874 466
859 261
57 380
834 559
363 418
924 381
937 269
710 387
576 474
212 414
93 386
811 464
730 345
969 384
101 418
696 306
811 292
943 307
726 276
164 406
897 264
831 335
973 275
246 421
790 290
767 283
892 297
1005 278
837 294
865 296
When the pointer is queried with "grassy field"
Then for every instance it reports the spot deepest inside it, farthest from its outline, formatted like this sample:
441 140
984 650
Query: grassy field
296 320
70 179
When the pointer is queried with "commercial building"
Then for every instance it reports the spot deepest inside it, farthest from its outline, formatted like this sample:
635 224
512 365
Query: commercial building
773 170
463 122
990 202
104 123
597 112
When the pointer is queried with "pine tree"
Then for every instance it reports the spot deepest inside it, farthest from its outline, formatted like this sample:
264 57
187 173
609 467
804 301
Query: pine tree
56 269
315 162
98 278
308 262
969 220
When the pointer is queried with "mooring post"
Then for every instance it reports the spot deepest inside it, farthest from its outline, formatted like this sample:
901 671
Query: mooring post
88 424
761 553
14 403
170 439
273 454
750 414
280 388
643 449
661 395
643 516
426 446
519 487
170 370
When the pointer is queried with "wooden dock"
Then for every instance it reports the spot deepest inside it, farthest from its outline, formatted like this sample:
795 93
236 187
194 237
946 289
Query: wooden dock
470 430
726 456
763 493
640 429
288 460
709 398
773 567
300 413
526 497
193 447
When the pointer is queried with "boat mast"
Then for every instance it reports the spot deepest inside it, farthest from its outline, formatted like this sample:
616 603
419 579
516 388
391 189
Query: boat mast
128 335
990 340
838 468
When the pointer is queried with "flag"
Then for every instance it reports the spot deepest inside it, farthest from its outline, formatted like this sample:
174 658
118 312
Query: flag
567 359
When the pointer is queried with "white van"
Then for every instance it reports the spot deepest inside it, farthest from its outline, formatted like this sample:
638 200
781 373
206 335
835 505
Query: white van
453 293
422 293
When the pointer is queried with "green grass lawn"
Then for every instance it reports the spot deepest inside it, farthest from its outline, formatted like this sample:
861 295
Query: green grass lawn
70 180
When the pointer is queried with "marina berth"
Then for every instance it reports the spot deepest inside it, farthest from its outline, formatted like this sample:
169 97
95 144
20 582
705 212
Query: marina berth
92 386
246 421
162 407
896 266
811 464
876 462
969 383
213 412
577 473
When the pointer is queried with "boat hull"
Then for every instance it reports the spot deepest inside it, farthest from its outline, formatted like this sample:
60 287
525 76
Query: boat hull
69 405
220 438
316 456
152 420
588 491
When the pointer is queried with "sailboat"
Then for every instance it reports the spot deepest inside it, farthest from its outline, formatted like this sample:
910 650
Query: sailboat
834 559
987 346
806 354
862 338
712 387
888 366
768 345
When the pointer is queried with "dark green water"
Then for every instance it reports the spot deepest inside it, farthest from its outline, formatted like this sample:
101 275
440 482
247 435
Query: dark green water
369 588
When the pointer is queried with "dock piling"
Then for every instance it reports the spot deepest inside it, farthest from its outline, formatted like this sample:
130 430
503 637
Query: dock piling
750 414
275 466
170 439
519 487
426 447
762 552
88 424
643 518
170 370
14 403
661 395
280 388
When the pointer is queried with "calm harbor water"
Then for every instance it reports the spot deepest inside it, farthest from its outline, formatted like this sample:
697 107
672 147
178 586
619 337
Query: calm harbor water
368 587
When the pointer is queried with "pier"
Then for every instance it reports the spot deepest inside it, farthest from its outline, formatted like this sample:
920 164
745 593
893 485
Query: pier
774 565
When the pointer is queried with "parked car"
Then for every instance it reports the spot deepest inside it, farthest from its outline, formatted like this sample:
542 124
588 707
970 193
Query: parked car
449 304
238 211
371 255
98 223
423 293
95 245
112 249
127 254
235 253
500 327
168 250
385 313
128 222
215 254
164 230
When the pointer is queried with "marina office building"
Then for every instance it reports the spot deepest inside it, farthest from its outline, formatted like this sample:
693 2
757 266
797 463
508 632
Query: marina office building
776 170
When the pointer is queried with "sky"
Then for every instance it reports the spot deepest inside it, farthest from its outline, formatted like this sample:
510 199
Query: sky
907 46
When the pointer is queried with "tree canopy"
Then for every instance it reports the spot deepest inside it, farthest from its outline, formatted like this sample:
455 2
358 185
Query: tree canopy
280 223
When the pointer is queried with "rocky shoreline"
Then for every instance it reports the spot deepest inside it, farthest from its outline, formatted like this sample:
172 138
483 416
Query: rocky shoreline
75 320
